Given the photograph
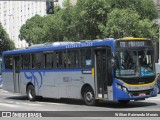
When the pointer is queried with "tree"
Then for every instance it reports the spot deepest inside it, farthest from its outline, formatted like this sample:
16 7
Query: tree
53 29
5 42
97 18
67 15
126 22
32 31
57 26
92 19
145 8
88 15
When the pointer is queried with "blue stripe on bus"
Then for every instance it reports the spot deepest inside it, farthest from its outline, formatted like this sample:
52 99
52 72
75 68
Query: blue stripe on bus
7 71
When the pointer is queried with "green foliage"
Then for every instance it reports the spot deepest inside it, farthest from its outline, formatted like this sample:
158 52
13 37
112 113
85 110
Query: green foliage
54 29
145 8
88 15
5 42
33 31
127 24
92 19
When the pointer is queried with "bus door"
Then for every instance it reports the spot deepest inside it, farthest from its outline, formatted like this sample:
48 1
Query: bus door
16 73
101 72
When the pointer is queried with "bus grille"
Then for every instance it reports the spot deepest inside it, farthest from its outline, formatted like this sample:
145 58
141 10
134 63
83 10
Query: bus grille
139 93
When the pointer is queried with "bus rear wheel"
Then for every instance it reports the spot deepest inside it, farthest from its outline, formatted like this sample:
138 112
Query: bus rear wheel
123 102
88 96
31 93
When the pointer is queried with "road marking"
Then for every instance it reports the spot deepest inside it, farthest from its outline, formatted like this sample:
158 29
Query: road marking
23 103
31 104
154 99
3 90
8 105
52 103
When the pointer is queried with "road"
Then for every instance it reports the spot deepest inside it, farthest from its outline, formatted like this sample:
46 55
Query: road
75 108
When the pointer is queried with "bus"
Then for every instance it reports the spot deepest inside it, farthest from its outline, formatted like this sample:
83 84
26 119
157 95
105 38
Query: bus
105 69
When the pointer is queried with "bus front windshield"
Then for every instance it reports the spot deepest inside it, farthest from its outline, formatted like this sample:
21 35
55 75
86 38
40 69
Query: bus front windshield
134 63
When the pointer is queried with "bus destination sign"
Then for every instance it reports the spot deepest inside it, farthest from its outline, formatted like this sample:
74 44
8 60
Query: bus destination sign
123 44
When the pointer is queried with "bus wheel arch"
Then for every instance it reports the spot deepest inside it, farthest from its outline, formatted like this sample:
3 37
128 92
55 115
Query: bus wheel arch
31 93
87 93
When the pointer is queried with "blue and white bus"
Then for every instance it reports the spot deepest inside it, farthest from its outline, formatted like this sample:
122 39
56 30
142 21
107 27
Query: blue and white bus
106 69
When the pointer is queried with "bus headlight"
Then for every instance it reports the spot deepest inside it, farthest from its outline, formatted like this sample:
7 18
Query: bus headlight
121 87
124 89
118 86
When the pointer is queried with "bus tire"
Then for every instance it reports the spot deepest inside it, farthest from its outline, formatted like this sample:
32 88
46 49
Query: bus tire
31 93
123 102
88 96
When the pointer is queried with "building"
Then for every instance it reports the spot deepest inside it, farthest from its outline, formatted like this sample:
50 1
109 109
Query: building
13 14
60 2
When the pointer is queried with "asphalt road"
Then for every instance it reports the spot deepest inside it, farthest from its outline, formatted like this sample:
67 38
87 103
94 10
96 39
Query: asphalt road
19 106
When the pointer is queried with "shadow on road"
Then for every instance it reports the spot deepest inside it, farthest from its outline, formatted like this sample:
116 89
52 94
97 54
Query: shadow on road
132 104
107 104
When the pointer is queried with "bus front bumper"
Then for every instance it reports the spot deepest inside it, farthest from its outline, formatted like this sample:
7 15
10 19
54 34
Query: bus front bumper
134 95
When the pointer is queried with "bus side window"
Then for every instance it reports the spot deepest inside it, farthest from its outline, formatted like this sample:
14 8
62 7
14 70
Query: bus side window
85 58
59 59
82 57
77 58
88 61
37 60
69 59
64 59
8 62
49 60
73 59
26 61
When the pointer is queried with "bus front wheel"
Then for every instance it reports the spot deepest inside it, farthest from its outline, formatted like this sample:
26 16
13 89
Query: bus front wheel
88 96
31 93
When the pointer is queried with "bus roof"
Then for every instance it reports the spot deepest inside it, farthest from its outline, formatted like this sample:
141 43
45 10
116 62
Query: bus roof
64 45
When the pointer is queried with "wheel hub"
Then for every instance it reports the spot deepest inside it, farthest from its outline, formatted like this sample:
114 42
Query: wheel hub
89 96
30 93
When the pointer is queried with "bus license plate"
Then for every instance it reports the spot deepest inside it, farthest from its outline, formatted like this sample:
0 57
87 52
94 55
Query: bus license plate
142 94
